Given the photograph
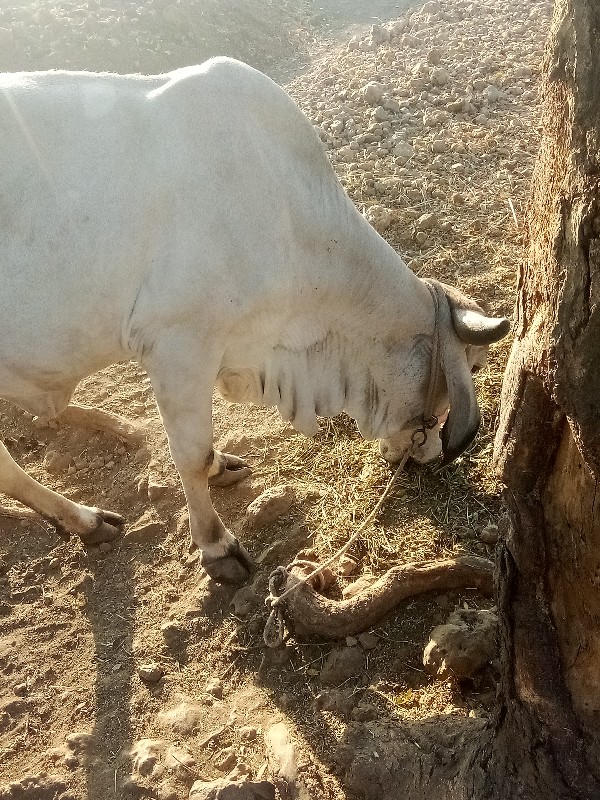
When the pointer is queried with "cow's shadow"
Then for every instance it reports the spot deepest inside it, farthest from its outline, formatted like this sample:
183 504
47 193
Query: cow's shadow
110 606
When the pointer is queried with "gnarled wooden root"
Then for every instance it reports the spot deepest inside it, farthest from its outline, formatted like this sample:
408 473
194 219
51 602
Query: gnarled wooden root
310 613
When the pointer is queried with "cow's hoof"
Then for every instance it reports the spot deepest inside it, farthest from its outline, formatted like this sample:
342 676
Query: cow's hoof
233 567
232 470
108 528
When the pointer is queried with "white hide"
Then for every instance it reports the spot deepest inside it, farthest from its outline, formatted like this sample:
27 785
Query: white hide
192 221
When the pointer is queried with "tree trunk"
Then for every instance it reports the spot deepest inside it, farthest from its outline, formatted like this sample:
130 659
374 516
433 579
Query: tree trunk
548 443
544 743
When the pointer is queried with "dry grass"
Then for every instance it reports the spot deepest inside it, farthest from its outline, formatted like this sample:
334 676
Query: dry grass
431 512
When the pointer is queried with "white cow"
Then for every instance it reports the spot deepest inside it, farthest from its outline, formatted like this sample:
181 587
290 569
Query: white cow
191 221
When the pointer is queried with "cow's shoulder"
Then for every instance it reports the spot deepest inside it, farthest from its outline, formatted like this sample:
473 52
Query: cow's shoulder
223 72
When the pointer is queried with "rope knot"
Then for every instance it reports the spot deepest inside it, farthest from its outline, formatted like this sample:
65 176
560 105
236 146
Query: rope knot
274 632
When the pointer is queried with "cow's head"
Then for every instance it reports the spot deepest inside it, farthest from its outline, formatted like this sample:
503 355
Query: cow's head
464 333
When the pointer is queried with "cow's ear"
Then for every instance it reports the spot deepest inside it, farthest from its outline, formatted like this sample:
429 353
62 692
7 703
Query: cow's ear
471 324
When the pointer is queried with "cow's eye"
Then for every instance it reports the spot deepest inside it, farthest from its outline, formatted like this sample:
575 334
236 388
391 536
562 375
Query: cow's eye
475 368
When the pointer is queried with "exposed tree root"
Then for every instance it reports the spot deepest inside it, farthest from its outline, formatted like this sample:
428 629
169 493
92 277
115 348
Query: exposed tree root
105 421
313 614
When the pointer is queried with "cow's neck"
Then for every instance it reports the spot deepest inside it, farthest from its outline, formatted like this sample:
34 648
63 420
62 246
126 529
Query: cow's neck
338 347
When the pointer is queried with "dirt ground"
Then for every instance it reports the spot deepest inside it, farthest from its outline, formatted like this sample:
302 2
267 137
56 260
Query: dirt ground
78 719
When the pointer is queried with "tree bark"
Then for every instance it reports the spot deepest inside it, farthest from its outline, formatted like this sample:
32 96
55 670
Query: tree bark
548 443
544 743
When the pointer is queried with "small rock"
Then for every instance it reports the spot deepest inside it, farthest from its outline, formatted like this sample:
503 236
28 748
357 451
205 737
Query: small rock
173 633
373 92
20 689
522 72
379 34
367 46
439 145
246 600
456 106
380 217
40 786
248 733
226 789
463 646
151 673
427 222
80 741
434 56
492 94
142 455
282 758
215 688
85 585
391 105
399 26
342 663
157 491
341 701
489 534
365 712
226 759
270 505
440 76
368 641
418 84
145 756
348 566
184 718
404 151
144 529
55 463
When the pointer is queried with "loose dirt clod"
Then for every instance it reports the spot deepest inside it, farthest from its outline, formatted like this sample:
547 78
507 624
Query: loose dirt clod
269 506
463 645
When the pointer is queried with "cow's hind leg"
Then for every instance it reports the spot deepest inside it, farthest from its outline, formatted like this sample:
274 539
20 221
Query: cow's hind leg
92 525
226 469
183 377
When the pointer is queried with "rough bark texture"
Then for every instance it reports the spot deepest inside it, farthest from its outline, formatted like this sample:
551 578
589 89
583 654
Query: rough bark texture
548 444
544 743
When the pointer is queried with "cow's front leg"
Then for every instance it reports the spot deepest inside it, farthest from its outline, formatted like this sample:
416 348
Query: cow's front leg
92 525
183 378
225 560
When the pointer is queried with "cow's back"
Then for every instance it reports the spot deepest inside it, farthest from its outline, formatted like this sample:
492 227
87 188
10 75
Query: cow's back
129 204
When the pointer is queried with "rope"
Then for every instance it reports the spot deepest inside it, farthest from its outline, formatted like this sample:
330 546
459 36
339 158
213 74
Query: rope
274 632
274 629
